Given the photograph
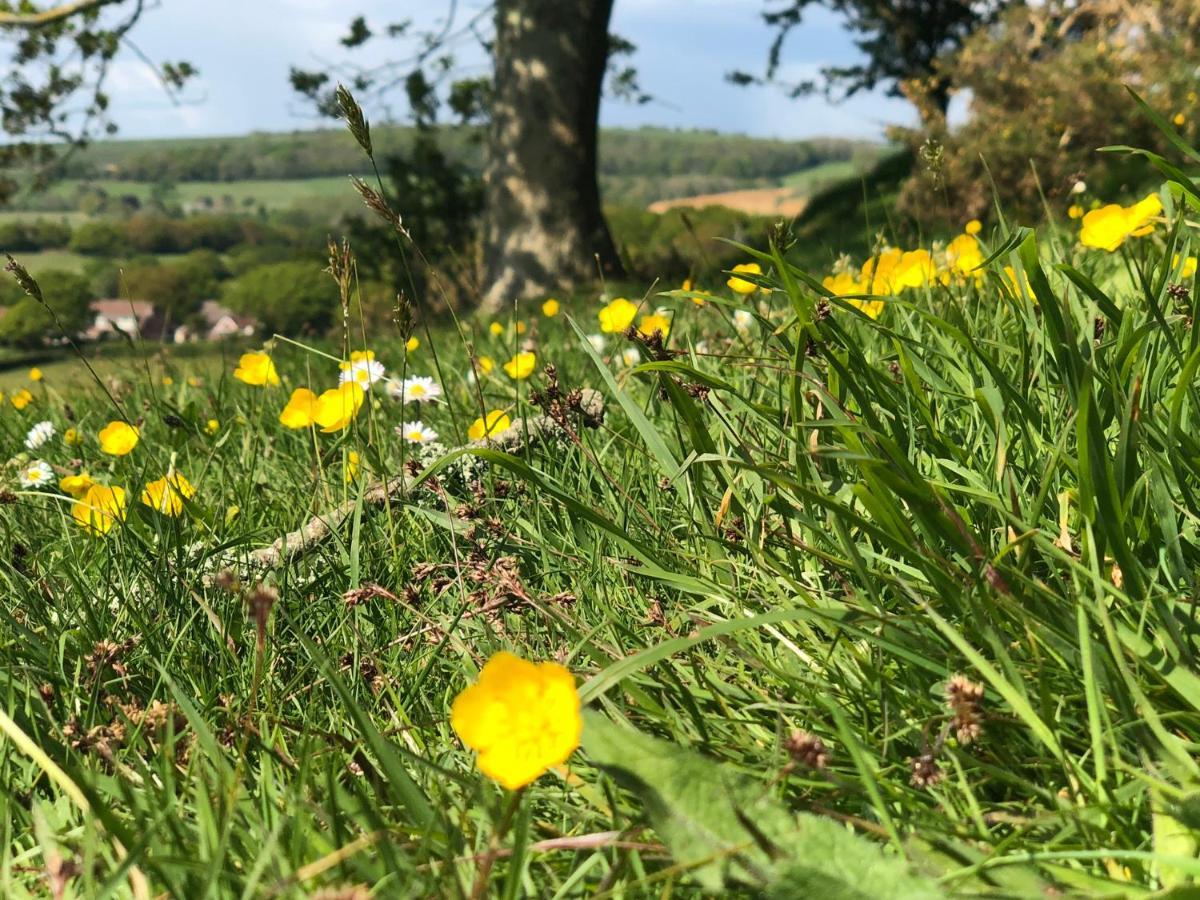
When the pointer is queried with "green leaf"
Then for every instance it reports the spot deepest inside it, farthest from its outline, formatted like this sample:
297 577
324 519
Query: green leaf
1173 837
729 831
1187 810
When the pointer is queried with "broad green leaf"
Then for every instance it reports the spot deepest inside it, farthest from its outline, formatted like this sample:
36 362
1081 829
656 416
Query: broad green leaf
729 831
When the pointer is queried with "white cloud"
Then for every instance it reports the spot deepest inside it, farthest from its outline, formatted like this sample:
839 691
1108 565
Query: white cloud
244 48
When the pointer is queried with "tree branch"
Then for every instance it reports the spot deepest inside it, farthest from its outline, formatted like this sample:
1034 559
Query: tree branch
52 15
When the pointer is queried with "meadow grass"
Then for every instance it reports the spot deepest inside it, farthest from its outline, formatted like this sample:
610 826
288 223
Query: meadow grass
899 606
63 368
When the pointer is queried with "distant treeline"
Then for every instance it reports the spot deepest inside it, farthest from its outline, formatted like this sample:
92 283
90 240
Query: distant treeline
151 233
644 152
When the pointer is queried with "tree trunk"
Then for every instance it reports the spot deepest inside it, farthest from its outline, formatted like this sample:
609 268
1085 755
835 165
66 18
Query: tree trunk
544 228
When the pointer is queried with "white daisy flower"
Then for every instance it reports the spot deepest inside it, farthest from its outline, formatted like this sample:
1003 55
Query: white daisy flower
631 356
39 434
36 474
417 389
597 341
416 432
742 320
363 372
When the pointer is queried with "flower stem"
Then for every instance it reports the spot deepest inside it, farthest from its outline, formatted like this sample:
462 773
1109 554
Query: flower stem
483 872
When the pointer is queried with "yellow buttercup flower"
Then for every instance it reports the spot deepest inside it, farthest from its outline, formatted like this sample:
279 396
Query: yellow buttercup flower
212 426
915 269
1019 285
100 508
412 344
878 273
689 285
522 718
973 227
496 329
72 437
741 285
520 327
1189 266
521 366
168 493
617 315
76 485
301 409
35 374
965 255
550 308
118 438
20 398
871 308
1075 211
336 409
257 369
1108 227
843 284
491 425
654 322
351 466
1180 120
167 381
486 364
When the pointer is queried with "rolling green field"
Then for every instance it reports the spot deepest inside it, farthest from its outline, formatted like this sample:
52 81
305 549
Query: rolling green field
42 260
233 196
810 181
38 261
73 217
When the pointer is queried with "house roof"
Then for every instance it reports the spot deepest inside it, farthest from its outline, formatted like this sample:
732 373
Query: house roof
112 309
212 312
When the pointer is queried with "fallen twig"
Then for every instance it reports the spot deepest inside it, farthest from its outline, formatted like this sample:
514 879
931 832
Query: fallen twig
525 432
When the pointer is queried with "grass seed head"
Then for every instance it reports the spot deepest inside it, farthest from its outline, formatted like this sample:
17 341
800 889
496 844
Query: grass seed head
807 750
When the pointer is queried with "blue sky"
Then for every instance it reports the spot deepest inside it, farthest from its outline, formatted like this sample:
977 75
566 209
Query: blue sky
244 48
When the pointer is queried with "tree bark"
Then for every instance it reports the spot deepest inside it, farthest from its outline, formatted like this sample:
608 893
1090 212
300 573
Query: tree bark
544 228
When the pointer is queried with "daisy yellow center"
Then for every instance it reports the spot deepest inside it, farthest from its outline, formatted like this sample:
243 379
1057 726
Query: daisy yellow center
418 390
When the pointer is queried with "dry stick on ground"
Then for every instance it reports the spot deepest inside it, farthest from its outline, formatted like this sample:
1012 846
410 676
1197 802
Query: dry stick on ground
522 434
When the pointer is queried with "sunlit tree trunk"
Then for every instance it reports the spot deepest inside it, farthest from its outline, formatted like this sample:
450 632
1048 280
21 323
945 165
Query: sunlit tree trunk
544 229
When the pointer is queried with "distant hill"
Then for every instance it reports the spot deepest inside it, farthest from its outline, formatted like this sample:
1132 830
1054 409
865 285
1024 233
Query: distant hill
637 166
